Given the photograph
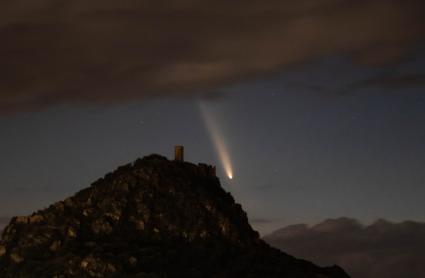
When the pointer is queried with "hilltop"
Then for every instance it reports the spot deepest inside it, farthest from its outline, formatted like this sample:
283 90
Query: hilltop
150 218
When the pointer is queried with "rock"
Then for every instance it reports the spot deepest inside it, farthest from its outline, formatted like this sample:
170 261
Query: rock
2 250
110 268
84 264
21 219
140 225
55 245
132 260
36 218
71 232
87 212
101 226
16 258
152 218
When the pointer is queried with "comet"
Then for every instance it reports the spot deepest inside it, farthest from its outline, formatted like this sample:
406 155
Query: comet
217 140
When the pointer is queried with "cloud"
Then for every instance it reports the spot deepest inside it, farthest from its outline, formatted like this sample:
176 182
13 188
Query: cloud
111 51
386 82
383 249
390 82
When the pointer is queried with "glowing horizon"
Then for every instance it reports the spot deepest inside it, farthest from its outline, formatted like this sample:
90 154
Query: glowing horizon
217 139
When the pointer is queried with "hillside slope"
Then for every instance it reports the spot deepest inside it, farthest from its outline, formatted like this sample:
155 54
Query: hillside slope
151 218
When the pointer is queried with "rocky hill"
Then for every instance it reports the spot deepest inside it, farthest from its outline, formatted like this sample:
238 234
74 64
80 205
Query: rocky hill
151 218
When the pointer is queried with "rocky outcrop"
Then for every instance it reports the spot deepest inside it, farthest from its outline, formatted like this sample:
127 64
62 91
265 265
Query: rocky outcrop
151 218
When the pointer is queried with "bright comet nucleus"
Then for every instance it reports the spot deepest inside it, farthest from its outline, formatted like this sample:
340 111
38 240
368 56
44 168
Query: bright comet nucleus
217 139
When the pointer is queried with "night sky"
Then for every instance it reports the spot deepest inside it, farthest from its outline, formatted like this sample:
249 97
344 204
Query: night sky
321 106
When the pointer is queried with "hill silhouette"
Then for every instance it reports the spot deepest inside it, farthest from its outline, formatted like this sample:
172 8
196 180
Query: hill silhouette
380 249
151 218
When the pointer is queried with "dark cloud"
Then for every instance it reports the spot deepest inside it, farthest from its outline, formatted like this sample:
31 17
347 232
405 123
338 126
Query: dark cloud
386 82
103 50
383 249
390 82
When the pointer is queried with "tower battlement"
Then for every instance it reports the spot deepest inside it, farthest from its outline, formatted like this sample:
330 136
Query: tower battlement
207 170
203 169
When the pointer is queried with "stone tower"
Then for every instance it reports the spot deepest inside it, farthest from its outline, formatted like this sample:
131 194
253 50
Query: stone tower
179 153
